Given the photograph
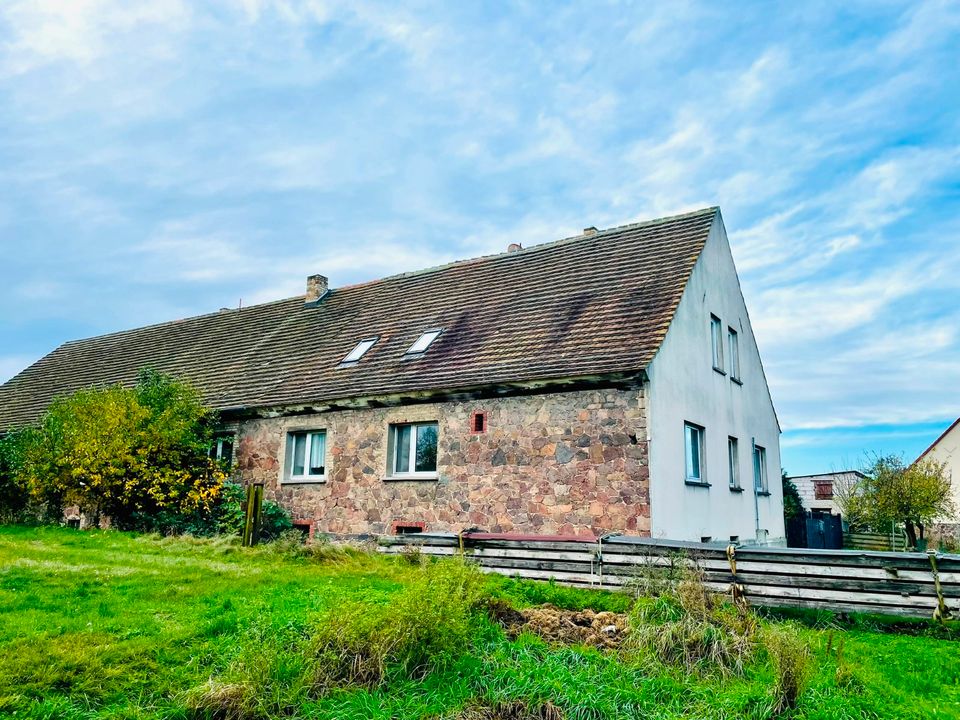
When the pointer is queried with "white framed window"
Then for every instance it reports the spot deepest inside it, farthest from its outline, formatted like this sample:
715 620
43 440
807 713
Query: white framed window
694 446
306 459
733 346
222 449
716 340
760 469
413 450
733 462
359 351
424 341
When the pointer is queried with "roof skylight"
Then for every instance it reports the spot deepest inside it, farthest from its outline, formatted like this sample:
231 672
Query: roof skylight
424 341
360 350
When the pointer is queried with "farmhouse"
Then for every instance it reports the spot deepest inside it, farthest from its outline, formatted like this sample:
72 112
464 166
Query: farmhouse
604 383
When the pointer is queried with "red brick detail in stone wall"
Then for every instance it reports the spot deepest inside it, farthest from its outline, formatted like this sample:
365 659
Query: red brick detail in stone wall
397 526
307 524
478 422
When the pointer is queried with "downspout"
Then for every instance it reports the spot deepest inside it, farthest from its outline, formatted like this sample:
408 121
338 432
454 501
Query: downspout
756 492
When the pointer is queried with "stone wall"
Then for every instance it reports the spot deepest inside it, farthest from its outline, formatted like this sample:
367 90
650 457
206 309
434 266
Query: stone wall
559 463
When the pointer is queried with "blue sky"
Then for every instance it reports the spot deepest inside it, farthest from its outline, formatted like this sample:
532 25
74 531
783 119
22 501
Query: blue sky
168 158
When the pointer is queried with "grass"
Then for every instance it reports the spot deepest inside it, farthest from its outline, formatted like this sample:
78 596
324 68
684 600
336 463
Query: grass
112 625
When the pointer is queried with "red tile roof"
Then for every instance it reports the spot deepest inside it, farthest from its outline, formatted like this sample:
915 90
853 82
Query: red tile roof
585 306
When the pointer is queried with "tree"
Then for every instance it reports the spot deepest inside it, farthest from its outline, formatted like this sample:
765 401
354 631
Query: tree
792 504
129 453
913 494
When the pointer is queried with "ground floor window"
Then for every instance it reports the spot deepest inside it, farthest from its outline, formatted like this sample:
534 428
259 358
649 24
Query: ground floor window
414 449
306 456
222 449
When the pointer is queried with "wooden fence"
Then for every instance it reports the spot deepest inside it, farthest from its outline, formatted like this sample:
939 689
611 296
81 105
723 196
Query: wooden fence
896 541
906 584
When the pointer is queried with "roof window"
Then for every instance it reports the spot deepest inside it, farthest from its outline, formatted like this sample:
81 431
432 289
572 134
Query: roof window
359 351
424 341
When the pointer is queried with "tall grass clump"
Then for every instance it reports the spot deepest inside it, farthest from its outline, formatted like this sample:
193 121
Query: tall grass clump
792 662
424 626
692 628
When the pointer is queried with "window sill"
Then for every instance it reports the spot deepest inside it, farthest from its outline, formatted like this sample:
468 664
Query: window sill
736 489
415 478
718 370
318 480
738 381
694 483
763 493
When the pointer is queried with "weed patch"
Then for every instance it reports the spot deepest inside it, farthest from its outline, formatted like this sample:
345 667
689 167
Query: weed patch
569 627
694 629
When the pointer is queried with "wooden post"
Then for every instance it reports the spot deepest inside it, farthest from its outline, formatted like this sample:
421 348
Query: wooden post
942 612
253 515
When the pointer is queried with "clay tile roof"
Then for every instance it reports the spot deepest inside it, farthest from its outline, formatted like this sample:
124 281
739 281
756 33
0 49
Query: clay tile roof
584 306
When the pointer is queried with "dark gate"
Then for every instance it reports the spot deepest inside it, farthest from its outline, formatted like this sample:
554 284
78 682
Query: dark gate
824 531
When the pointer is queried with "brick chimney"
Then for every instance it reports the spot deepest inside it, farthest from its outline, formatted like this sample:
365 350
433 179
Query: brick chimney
316 288
588 231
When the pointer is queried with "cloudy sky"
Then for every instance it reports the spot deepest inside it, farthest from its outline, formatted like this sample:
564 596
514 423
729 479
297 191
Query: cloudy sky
167 158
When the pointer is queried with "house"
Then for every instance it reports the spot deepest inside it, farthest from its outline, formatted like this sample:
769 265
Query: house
817 491
946 449
608 382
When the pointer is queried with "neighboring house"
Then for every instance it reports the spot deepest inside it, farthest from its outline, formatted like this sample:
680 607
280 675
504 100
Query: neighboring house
817 491
946 449
608 382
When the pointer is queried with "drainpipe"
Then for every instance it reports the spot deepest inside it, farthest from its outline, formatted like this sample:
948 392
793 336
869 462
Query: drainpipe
756 495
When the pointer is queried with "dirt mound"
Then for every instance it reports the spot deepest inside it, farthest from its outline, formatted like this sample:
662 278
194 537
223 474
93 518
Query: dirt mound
571 627
513 710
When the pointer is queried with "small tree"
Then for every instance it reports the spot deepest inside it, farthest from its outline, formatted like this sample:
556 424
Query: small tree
913 494
127 453
792 504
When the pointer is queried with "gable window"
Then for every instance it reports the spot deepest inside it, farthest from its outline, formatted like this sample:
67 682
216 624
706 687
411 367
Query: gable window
733 342
759 469
222 449
359 351
424 341
694 442
823 490
306 456
716 340
733 462
413 450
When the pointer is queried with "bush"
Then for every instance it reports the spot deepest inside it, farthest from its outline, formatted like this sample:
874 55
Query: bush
792 665
137 455
424 626
692 628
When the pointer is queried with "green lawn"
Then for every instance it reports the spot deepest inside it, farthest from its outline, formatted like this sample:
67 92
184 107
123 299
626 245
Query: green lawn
111 625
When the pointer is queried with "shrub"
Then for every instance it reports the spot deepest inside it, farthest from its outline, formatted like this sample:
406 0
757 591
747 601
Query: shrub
134 454
692 628
792 665
424 626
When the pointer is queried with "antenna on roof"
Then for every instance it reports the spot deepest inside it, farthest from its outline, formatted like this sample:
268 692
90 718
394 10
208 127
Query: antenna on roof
240 306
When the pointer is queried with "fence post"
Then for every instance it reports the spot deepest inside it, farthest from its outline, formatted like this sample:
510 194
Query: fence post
252 516
941 612
736 589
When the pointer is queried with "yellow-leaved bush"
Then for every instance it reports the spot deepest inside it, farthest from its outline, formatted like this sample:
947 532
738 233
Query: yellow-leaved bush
139 455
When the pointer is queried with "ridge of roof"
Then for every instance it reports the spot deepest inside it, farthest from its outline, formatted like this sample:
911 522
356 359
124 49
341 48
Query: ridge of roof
712 210
166 323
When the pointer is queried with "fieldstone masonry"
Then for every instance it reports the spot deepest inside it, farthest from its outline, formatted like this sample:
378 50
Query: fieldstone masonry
559 463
